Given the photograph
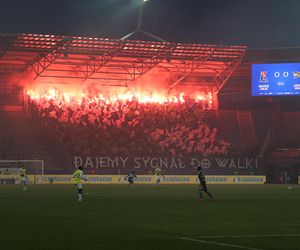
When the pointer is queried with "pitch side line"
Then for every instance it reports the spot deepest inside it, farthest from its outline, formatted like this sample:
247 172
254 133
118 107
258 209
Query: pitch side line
220 244
246 236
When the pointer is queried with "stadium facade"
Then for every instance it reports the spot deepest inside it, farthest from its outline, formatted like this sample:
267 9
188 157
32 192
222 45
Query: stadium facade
201 93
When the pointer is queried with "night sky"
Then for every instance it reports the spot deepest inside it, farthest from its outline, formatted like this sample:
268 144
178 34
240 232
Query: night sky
264 23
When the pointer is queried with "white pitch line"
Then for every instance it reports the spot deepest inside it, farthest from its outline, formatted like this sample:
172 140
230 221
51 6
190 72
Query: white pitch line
246 236
95 194
221 244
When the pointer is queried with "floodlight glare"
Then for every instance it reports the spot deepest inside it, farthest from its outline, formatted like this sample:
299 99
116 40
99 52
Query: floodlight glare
146 1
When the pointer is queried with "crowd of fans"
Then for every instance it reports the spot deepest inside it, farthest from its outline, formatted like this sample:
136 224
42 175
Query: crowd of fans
6 140
99 126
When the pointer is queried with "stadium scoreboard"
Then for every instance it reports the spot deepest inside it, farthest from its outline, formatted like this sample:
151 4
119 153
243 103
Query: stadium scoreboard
277 79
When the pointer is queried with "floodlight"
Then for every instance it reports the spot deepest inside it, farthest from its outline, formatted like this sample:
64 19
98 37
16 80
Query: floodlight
139 26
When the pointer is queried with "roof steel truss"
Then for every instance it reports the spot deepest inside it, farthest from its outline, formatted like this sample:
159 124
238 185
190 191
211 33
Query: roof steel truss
42 64
143 66
6 42
224 75
187 68
84 58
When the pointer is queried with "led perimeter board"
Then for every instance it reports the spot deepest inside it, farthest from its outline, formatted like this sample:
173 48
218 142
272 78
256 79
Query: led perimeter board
276 79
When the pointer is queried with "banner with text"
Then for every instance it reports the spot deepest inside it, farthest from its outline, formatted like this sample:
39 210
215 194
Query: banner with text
169 165
150 179
15 179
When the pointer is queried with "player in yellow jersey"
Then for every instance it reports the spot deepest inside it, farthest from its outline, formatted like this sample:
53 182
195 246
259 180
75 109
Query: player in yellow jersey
158 175
77 178
23 177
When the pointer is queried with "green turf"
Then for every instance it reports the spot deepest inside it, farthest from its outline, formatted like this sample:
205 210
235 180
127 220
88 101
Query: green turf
114 217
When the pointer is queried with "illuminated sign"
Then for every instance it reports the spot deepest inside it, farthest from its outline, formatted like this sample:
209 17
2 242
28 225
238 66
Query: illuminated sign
276 79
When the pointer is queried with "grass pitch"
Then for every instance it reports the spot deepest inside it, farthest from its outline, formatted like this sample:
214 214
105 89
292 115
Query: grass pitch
167 217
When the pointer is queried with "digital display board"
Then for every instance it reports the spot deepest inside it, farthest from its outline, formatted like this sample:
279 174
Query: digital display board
277 79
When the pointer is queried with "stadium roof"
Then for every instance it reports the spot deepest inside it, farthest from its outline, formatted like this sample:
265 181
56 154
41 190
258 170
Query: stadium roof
65 59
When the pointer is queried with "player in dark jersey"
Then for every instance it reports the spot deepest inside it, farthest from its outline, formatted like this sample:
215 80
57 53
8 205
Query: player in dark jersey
130 178
202 186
